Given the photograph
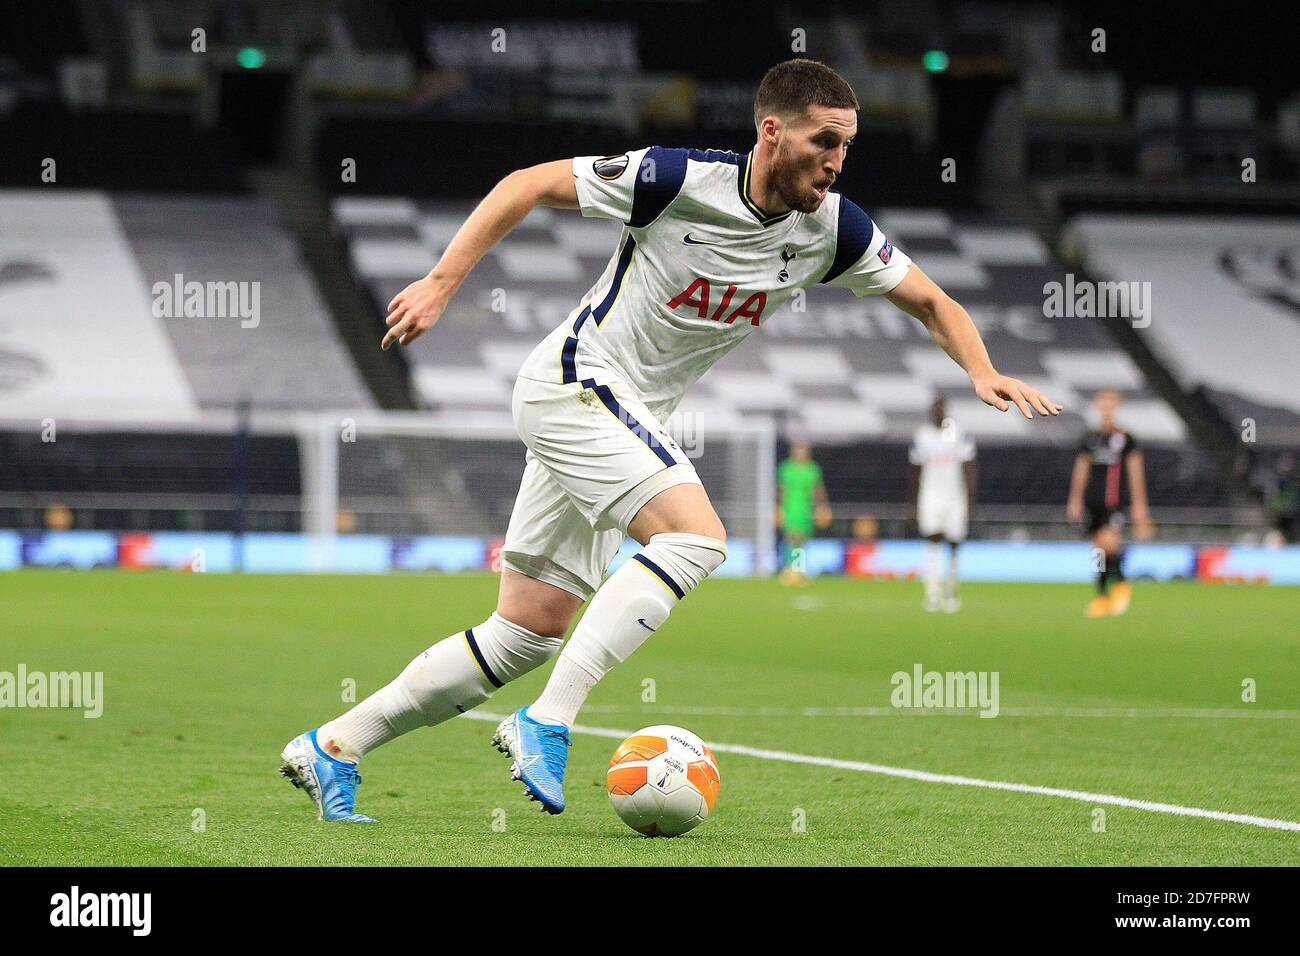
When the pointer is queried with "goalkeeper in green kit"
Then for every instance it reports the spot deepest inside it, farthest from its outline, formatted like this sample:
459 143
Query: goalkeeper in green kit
802 507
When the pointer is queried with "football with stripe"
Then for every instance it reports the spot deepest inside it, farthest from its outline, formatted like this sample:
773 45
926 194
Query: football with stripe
663 781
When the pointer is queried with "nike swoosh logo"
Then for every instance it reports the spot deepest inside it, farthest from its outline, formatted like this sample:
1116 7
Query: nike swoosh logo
641 621
696 242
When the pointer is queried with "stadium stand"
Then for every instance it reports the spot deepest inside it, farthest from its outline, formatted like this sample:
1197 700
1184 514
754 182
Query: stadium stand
1225 306
185 236
148 480
95 318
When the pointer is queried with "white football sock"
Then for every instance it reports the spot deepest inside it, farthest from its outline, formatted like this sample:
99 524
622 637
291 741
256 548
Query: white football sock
628 608
952 573
932 557
566 691
455 675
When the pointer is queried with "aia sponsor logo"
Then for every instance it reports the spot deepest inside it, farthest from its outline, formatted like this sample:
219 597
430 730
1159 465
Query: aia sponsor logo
699 295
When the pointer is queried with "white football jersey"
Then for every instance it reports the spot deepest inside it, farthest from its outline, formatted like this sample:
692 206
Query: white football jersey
940 453
697 268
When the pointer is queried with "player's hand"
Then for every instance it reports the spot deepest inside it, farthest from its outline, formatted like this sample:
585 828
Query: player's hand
1001 390
1143 529
822 517
414 311
1074 510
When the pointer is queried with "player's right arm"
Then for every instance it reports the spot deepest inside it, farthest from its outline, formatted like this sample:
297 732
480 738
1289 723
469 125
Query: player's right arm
971 473
1078 481
418 307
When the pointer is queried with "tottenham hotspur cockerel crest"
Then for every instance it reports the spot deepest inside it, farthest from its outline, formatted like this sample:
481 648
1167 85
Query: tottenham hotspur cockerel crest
784 274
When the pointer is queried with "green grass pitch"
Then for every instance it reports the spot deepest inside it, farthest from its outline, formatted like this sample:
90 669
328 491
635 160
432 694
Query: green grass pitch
207 676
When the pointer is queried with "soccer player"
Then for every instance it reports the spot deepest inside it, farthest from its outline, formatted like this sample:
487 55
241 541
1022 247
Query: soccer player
1108 474
802 504
943 496
713 244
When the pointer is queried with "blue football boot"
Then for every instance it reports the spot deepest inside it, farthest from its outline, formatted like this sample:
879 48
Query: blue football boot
331 784
540 752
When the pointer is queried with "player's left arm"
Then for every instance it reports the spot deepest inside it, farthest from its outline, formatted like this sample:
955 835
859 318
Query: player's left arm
819 494
1137 483
951 328
821 505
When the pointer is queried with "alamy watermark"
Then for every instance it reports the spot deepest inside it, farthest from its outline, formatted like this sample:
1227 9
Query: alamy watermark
130 910
946 690
208 300
688 424
1071 299
70 690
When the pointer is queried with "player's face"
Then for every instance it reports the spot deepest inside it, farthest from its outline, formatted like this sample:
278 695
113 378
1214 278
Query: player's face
1106 403
810 155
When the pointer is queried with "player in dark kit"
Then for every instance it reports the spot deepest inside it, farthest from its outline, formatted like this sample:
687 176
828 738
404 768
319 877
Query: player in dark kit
1109 477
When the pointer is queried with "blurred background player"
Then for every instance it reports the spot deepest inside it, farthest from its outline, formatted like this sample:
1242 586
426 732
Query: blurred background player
1108 477
943 477
802 506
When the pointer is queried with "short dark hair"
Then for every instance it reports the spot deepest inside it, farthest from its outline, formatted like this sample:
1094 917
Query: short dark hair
791 87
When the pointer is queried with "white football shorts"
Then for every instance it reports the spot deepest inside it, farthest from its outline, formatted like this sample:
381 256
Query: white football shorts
942 516
596 454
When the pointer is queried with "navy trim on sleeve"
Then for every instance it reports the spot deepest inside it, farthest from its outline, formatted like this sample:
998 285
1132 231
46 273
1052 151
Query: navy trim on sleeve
653 193
853 238
715 156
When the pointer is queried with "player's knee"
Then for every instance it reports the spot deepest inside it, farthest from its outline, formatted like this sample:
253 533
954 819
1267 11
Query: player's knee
702 526
683 509
547 621
536 606
687 558
1108 539
719 532
511 649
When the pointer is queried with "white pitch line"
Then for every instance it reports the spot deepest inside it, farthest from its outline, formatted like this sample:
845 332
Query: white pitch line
926 776
1127 712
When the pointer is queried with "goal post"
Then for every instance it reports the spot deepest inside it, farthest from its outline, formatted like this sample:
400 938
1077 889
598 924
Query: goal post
431 474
